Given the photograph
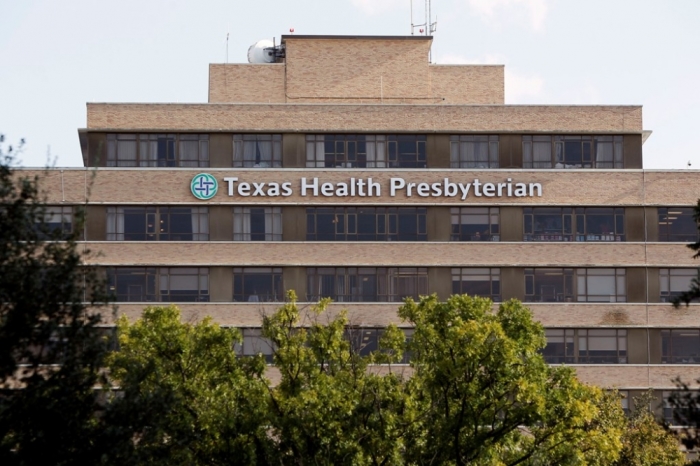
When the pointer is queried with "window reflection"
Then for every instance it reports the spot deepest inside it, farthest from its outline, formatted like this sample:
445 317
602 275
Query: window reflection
573 224
475 224
366 284
157 224
366 224
677 224
151 284
365 151
568 285
257 284
483 282
585 346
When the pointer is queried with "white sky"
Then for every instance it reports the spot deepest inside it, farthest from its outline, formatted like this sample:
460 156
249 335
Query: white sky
58 55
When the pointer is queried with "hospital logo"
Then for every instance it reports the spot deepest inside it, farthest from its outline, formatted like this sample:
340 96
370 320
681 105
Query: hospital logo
204 186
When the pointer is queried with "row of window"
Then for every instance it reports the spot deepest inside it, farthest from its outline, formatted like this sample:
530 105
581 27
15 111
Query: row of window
380 223
564 346
384 284
363 341
363 151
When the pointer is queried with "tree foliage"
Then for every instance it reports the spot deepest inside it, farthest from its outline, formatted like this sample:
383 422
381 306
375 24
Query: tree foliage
329 407
184 397
486 396
478 392
51 350
645 442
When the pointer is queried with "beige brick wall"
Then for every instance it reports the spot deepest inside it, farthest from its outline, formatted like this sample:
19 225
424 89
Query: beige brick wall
628 376
398 254
333 69
551 315
565 187
246 83
468 84
449 84
363 118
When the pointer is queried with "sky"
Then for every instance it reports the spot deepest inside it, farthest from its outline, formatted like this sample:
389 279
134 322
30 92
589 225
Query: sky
58 55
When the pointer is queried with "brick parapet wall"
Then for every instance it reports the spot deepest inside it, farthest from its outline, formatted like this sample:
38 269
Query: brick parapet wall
363 118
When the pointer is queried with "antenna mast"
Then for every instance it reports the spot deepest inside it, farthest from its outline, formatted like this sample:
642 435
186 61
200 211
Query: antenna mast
429 26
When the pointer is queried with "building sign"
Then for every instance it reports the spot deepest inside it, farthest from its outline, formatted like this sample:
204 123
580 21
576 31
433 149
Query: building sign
204 187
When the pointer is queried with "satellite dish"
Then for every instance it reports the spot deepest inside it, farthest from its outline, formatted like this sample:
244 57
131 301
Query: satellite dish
262 52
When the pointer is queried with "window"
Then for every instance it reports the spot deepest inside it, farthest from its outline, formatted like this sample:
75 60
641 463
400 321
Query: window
585 346
157 224
363 341
58 222
674 282
257 150
257 224
684 413
677 224
573 224
472 151
254 343
601 285
680 346
590 285
365 151
602 346
151 284
475 224
257 284
366 284
483 282
366 224
157 150
572 151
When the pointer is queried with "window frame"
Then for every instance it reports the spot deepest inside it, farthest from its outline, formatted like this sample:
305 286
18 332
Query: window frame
257 160
272 217
461 232
494 280
386 283
570 284
157 150
664 214
389 223
276 284
576 224
669 356
462 145
157 216
576 353
353 151
542 151
154 278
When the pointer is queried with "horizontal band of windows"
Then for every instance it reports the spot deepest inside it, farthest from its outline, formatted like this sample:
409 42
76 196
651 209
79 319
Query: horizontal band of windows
545 224
384 284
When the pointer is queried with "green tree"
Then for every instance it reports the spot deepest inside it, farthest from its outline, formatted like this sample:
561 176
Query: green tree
51 350
184 396
645 442
486 396
329 406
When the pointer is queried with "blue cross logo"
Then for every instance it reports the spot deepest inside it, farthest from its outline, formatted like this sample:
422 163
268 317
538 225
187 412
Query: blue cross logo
204 186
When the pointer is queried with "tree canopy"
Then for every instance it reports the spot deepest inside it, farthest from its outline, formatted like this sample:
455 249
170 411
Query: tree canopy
477 392
51 348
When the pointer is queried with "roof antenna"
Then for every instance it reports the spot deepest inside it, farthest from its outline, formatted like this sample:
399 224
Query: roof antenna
429 26
227 47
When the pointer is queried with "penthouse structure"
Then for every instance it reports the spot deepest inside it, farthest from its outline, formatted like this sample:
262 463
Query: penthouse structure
353 168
